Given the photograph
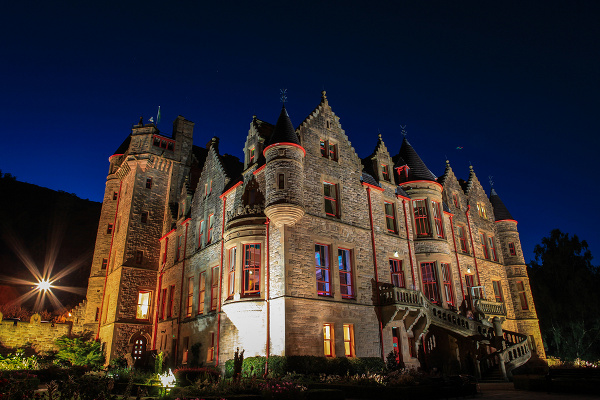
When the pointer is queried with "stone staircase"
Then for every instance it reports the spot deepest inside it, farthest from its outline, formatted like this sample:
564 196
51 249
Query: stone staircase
418 313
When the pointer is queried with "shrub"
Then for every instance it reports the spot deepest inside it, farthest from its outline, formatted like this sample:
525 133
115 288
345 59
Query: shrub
80 351
187 376
18 361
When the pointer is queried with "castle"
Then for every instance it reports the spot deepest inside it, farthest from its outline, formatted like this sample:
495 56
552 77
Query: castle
304 249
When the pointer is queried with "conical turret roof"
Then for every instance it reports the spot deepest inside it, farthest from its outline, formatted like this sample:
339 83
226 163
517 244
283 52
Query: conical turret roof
284 131
418 171
500 210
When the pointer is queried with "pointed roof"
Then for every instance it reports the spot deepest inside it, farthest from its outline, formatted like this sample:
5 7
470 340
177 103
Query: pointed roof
418 170
284 131
500 210
447 172
124 146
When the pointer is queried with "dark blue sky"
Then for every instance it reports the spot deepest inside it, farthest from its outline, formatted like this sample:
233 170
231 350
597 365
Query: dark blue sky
516 84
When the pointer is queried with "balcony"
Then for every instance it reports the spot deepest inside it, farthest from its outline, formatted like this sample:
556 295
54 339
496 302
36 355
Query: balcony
490 308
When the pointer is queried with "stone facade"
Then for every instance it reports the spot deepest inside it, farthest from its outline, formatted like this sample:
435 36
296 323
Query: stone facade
285 253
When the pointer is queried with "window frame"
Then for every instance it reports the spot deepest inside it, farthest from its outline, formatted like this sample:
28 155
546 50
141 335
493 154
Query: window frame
171 309
328 340
163 303
252 266
334 201
232 254
109 229
498 293
190 297
431 285
397 273
492 246
421 218
104 264
164 257
512 249
390 218
522 296
437 218
178 252
349 350
484 248
462 237
200 233
149 305
346 275
148 183
139 256
211 221
214 288
325 289
448 290
201 292
385 172
144 217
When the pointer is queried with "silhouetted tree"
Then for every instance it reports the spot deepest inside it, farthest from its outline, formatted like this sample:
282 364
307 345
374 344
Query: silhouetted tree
566 289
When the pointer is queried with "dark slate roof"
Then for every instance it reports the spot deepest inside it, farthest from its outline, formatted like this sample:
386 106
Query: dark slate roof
500 210
401 192
418 170
398 161
367 164
263 128
124 146
445 207
366 178
233 166
284 131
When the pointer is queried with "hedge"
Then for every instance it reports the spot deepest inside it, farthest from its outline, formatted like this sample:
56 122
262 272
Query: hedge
307 365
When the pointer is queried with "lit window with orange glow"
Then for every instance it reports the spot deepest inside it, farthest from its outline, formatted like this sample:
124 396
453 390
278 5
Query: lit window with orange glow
214 288
201 292
349 340
328 343
190 296
231 275
251 274
143 305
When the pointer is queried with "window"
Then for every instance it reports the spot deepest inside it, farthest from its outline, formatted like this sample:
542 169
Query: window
170 310
328 149
421 218
97 314
462 236
522 295
498 291
333 153
511 248
328 342
455 200
148 183
143 305
139 256
164 260
281 181
402 173
214 288
251 274
447 282
345 265
205 189
178 253
484 248
190 297
397 273
210 187
144 217
437 218
163 143
104 263
201 292
163 303
481 211
330 195
231 275
322 270
115 195
349 340
390 217
385 172
211 220
200 233
470 282
492 248
106 309
211 349
252 155
109 229
430 284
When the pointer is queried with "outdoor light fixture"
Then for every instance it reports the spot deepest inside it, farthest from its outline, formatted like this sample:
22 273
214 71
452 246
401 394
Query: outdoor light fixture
396 253
468 270
43 285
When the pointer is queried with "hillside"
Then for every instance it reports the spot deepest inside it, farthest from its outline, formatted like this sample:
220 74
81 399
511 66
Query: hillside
46 222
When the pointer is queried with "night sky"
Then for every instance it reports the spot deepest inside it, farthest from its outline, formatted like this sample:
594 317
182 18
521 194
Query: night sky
516 84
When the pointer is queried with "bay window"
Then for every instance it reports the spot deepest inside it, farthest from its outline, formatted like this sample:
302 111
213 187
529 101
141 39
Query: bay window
251 273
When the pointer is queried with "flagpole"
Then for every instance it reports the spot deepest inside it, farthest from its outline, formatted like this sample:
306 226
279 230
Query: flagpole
158 117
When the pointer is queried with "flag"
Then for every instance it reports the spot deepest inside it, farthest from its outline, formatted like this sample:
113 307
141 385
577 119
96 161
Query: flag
158 116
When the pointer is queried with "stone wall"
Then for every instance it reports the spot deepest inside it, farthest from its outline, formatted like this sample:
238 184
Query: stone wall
41 335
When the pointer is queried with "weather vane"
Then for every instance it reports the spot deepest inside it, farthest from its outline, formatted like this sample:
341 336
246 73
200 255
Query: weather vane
283 95
491 181
403 132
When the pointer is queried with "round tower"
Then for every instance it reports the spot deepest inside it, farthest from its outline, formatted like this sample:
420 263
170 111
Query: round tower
284 173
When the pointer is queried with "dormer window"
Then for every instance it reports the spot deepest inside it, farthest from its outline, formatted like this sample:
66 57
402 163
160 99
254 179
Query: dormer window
385 172
402 173
252 155
455 200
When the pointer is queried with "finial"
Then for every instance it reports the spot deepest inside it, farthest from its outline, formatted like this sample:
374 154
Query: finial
323 95
491 181
470 166
283 95
447 161
141 121
379 135
254 118
403 132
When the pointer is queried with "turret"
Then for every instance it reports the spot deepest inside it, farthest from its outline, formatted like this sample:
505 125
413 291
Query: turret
284 173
